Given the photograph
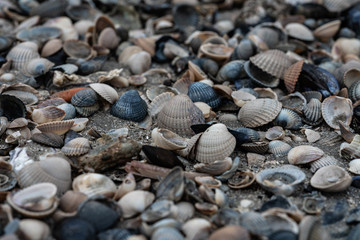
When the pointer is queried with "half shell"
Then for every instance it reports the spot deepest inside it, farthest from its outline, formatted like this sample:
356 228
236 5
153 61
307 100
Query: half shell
167 139
335 109
304 154
92 184
331 179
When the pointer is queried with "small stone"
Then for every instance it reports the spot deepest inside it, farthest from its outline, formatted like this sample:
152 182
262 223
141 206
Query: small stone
255 159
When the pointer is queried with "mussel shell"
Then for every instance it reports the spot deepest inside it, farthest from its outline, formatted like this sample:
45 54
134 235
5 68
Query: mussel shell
201 92
11 107
161 157
185 16
27 98
74 227
130 106
39 34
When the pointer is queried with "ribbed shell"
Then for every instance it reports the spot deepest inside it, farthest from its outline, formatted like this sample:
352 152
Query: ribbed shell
304 154
215 143
130 106
288 119
291 75
48 139
256 147
354 91
275 133
336 109
274 62
312 112
88 111
259 112
331 179
37 67
201 92
259 76
179 114
337 5
351 77
105 91
47 114
299 31
84 98
22 53
76 147
159 102
279 148
323 162
58 127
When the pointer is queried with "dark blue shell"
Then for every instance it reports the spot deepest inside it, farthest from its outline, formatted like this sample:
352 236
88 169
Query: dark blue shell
201 92
84 98
130 106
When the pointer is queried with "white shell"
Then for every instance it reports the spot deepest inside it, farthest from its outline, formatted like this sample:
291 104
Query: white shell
354 166
94 183
167 139
304 154
135 202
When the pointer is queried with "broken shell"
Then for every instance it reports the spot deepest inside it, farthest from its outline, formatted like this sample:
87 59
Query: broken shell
105 91
214 144
159 102
275 133
354 166
93 184
47 114
130 106
78 49
215 168
79 124
135 202
279 148
304 154
331 179
155 91
58 127
241 180
37 67
22 53
335 109
167 139
312 112
259 112
11 107
311 135
76 147
27 98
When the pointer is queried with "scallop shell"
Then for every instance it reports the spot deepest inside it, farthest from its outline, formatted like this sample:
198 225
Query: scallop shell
291 75
76 147
215 143
331 179
299 31
51 168
281 180
259 76
48 139
22 53
105 91
312 112
167 139
336 109
323 162
274 62
47 114
179 114
304 154
279 148
159 102
130 106
84 98
259 112
327 30
58 127
93 184
201 92
354 166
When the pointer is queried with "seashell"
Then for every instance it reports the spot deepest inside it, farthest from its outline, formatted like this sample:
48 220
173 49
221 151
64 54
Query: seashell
185 16
18 123
39 34
310 226
159 102
207 182
308 95
311 135
167 233
34 229
36 201
336 6
201 92
185 211
231 233
288 119
138 62
304 154
215 168
84 98
76 147
69 109
259 112
214 144
93 184
155 91
216 52
77 49
196 74
231 71
5 43
58 127
322 162
105 91
137 80
327 30
275 133
196 227
48 139
22 53
354 91
172 186
167 139
77 226
7 179
206 208
179 114
11 107
130 106
108 38
299 31
335 109
331 179
292 74
51 168
354 166
244 50
345 46
47 114
135 202
27 98
260 77
51 47
157 210
36 67
273 62
279 148
256 147
241 180
79 124
312 112
281 180
88 111
71 200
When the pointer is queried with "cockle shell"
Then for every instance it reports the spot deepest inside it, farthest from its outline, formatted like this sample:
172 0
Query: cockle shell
48 139
92 184
84 98
322 162
47 114
291 75
105 91
37 67
76 147
327 30
279 148
135 202
167 139
130 106
215 143
288 119
299 31
259 112
331 179
201 92
312 112
159 102
22 53
336 109
78 49
58 127
304 154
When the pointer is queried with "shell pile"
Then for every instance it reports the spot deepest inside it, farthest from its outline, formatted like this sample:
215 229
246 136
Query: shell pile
138 119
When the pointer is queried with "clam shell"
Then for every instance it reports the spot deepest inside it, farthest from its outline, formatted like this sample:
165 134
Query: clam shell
79 124
34 229
281 180
312 112
331 179
327 30
322 162
47 114
22 53
354 166
77 49
274 62
215 168
135 202
279 148
167 139
52 169
93 184
288 119
201 92
48 139
336 109
240 97
259 76
304 154
291 75
299 31
183 83
105 91
58 127
215 143
18 123
179 114
51 47
37 67
76 147
231 71
167 233
130 106
84 98
217 52
159 102
259 112
108 38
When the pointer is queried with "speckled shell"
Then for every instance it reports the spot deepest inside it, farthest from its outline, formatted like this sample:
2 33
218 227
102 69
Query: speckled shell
201 92
288 119
299 31
331 179
130 106
53 169
323 162
215 143
159 102
58 127
47 114
84 98
304 154
291 75
336 109
37 67
312 112
274 62
22 53
167 139
179 114
76 147
279 148
93 183
354 166
259 112
105 91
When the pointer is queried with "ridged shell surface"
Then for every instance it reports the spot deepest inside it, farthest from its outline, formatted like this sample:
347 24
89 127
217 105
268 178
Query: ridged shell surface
259 112
279 148
336 109
159 102
312 112
304 154
323 162
215 143
105 91
179 114
22 53
291 75
84 98
58 127
48 139
37 67
47 114
274 62
76 147
130 106
331 179
288 119
201 92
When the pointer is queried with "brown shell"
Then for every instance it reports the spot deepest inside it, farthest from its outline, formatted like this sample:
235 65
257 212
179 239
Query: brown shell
183 83
47 114
336 109
78 49
331 179
274 62
304 154
58 127
76 147
327 30
108 38
217 52
48 139
167 139
291 75
22 53
259 112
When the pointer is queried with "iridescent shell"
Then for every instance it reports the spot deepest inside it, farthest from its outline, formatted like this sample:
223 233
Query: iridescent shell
201 92
336 109
331 179
130 106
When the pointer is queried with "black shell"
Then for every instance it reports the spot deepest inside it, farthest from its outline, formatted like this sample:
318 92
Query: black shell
201 92
11 107
74 228
231 71
84 98
185 15
260 77
130 106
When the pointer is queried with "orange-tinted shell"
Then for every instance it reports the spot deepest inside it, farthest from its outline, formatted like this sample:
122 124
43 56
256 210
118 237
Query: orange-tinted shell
67 94
292 74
